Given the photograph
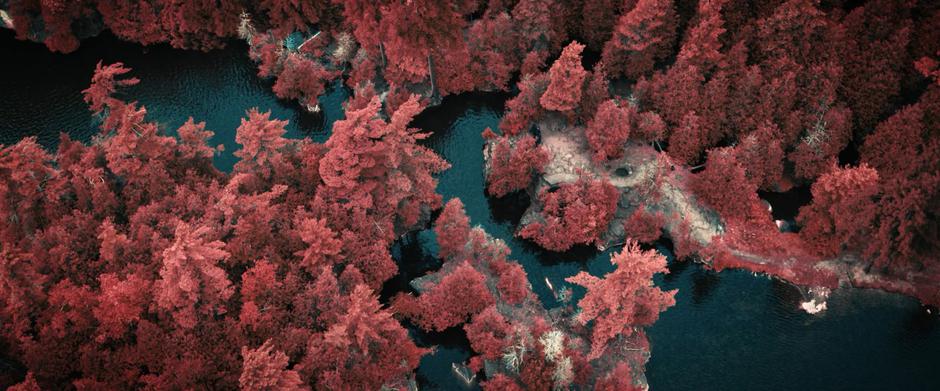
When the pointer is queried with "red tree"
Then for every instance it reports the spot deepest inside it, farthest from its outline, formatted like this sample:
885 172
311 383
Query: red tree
262 139
842 211
289 16
596 92
761 155
877 36
23 167
597 21
673 93
819 147
574 213
104 84
688 141
702 46
120 304
929 67
624 299
302 78
49 22
140 155
536 372
376 182
512 163
649 127
452 229
619 379
132 263
460 294
566 80
724 187
608 130
492 42
513 285
489 333
413 32
191 278
641 36
269 52
266 369
644 226
523 109
366 152
266 298
904 150
323 245
199 24
501 382
365 349
29 384
193 139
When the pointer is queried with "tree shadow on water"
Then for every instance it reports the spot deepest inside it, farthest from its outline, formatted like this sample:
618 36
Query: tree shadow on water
578 253
704 283
413 260
509 208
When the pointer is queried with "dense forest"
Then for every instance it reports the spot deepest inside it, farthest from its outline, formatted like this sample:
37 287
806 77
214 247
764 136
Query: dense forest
130 261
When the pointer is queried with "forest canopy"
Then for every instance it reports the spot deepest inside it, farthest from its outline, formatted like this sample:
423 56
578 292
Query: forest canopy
130 261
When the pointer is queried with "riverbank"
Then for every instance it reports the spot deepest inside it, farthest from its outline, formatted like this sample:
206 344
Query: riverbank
651 183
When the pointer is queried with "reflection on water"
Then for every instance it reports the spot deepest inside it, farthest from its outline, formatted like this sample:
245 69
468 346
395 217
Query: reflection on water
728 330
703 284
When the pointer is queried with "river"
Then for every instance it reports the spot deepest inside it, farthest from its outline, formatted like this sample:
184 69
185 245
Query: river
728 330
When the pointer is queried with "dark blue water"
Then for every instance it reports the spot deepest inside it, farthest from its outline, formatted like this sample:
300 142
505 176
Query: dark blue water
728 330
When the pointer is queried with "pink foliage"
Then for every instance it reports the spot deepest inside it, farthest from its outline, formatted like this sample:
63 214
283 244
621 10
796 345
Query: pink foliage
905 151
191 282
566 80
641 36
489 333
513 285
644 226
623 299
323 244
619 379
575 213
843 209
266 369
262 139
452 229
609 129
523 109
501 382
459 295
688 141
104 84
724 187
761 154
365 349
302 78
513 162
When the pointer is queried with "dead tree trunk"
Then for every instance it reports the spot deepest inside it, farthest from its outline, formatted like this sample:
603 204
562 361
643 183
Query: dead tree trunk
431 73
